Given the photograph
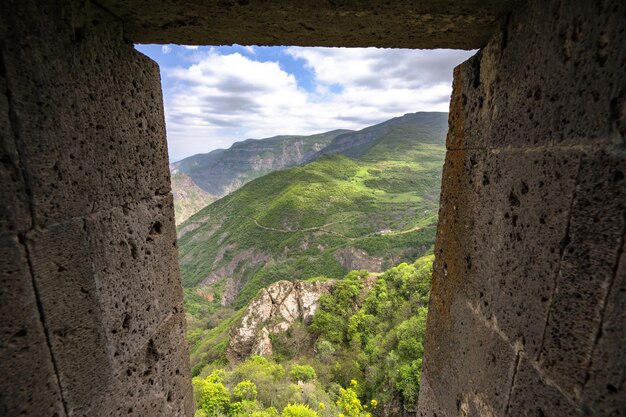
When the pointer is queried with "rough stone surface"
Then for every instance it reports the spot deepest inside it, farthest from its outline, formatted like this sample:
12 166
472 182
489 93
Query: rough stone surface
92 106
133 309
532 223
14 210
28 382
601 392
68 297
527 310
90 302
532 395
399 24
273 311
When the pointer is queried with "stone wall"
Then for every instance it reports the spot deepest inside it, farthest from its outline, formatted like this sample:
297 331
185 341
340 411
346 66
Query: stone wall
528 309
462 24
91 319
527 315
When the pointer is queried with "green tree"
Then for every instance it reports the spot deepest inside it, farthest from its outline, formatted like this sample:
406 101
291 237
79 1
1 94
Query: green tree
298 410
302 373
214 398
245 390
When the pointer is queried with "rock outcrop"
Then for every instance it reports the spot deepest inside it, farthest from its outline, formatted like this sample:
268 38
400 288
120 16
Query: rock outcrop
273 311
352 259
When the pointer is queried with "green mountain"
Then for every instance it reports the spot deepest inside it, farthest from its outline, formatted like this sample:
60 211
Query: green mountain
335 214
222 171
390 139
358 353
266 271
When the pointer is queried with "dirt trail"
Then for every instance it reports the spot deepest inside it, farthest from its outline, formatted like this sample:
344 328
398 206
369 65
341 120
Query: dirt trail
322 229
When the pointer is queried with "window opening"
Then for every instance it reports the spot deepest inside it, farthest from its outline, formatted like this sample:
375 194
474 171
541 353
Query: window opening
306 252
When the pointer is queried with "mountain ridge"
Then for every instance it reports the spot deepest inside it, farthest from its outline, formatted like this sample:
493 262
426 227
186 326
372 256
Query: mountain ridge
322 218
222 171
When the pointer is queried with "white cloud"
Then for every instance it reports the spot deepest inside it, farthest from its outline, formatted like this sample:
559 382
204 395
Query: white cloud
224 98
166 49
191 47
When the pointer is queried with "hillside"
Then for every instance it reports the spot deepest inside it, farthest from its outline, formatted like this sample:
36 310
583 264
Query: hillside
222 171
212 175
323 218
352 346
390 139
262 271
188 197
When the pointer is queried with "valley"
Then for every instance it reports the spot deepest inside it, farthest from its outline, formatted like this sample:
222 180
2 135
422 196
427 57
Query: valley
266 269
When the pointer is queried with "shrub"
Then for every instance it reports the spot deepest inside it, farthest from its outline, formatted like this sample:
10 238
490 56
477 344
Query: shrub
302 373
245 390
298 410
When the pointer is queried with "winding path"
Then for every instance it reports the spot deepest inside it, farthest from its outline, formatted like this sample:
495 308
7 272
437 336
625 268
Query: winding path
321 229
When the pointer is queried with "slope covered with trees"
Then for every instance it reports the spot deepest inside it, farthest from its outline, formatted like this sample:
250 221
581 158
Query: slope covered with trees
367 201
327 217
222 171
361 355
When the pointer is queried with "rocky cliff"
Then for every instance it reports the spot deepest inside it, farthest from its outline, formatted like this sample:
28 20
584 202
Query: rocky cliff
222 171
273 311
188 197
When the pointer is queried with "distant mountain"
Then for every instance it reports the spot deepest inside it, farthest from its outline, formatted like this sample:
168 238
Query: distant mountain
188 197
326 217
391 138
222 171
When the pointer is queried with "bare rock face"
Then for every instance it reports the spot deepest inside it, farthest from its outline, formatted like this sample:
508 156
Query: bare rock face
352 259
273 311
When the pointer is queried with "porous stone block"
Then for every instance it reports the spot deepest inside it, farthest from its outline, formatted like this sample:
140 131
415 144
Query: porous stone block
133 250
470 361
603 392
156 379
399 24
28 383
532 212
14 210
503 218
594 241
526 197
98 102
85 183
548 79
532 395
62 267
427 402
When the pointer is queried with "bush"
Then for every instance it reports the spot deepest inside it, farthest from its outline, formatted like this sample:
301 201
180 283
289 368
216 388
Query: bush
245 390
214 398
302 373
298 410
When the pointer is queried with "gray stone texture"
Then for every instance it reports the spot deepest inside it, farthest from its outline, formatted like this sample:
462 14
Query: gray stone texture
90 296
532 222
457 24
527 312
28 382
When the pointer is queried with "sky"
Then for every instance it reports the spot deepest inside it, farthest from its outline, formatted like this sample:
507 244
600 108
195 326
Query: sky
217 95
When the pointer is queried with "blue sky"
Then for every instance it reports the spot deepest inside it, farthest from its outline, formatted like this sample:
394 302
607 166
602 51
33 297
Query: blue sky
215 96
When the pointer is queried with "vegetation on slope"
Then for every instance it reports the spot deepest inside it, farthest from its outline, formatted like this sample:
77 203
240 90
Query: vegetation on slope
360 356
322 218
372 210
